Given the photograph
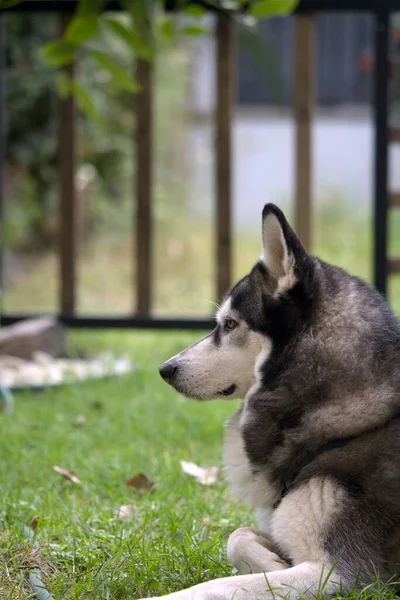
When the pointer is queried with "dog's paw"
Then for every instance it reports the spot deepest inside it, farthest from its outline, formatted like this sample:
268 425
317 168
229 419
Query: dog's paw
252 552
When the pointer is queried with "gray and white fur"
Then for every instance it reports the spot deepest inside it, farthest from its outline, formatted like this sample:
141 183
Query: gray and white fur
315 446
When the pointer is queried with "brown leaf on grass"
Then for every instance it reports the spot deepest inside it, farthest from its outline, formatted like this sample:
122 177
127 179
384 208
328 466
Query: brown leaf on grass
203 475
97 405
140 481
34 522
67 474
125 511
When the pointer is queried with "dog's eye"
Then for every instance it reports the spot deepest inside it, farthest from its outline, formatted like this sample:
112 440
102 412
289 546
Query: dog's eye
230 324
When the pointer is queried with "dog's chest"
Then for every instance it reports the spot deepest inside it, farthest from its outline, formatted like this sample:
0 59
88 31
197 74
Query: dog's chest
254 487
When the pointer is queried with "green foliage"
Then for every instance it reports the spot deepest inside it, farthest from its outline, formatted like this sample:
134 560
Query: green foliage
270 8
58 53
31 146
105 139
32 132
140 32
118 76
81 28
106 45
129 37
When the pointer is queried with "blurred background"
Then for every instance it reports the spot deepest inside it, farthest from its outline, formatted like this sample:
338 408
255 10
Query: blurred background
263 163
234 115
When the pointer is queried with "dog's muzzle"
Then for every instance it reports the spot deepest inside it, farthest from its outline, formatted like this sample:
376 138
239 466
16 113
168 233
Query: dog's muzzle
168 370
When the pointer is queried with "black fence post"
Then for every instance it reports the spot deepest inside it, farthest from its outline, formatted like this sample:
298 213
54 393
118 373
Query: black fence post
381 82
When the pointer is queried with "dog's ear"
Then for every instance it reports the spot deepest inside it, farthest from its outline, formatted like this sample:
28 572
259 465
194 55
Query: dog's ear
283 255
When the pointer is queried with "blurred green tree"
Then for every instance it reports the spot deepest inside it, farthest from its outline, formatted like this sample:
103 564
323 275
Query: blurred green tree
103 44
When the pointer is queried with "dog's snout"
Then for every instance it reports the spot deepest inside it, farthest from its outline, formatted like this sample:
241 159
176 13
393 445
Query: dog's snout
168 370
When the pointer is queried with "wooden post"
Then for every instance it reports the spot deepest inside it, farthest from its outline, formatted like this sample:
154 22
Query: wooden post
224 114
67 207
304 63
144 102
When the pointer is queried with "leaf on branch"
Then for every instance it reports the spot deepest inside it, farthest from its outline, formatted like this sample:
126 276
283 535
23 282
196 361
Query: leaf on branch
194 10
90 7
141 19
129 37
271 8
194 30
85 101
65 88
120 77
167 30
58 53
81 29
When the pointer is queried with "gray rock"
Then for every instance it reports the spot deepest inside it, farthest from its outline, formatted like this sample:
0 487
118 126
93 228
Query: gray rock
45 334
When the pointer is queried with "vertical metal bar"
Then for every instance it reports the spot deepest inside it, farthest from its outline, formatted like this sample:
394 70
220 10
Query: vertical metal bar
304 65
381 82
224 113
144 127
2 156
67 208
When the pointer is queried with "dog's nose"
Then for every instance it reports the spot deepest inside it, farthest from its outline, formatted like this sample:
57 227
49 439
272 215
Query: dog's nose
168 369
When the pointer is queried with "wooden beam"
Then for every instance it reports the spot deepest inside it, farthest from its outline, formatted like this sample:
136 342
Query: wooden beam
394 265
67 206
394 200
144 160
304 61
394 134
224 114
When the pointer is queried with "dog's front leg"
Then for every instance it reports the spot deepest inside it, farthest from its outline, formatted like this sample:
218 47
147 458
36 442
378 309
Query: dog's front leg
308 578
252 552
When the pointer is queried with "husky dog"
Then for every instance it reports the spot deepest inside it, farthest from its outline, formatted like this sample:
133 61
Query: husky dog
315 446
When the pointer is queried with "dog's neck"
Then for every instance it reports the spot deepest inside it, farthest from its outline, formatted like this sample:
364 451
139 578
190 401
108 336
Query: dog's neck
263 485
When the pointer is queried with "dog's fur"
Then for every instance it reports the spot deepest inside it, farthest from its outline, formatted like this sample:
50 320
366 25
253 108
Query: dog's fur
315 353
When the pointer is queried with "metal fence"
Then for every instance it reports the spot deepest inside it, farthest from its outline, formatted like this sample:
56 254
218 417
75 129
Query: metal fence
304 93
340 76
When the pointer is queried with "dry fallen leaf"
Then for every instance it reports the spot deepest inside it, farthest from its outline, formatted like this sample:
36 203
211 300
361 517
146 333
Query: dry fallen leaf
97 405
80 421
126 510
67 474
34 522
203 475
140 481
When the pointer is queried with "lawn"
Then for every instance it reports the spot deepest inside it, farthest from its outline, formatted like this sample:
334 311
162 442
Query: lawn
177 533
136 423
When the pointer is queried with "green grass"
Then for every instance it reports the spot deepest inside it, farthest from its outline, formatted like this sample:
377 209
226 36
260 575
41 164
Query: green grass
136 423
178 532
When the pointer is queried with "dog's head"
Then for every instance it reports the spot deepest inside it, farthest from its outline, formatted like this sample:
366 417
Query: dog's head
258 318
